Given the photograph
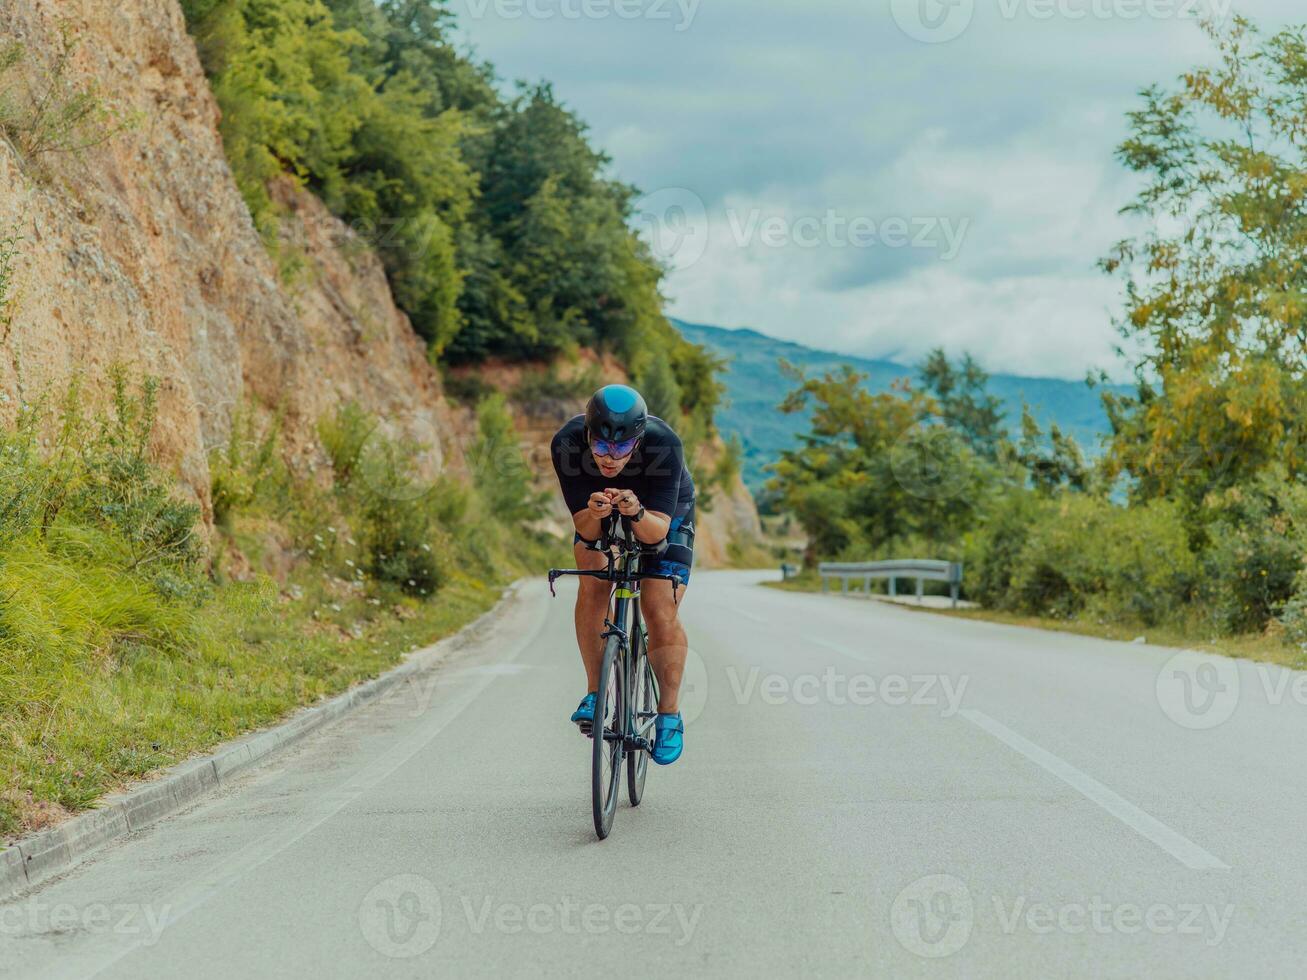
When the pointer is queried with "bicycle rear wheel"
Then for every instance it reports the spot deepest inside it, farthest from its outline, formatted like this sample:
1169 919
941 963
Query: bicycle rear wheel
644 707
609 729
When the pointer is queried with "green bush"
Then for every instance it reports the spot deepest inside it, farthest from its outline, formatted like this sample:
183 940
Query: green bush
992 553
248 469
499 470
1254 556
1086 555
401 544
119 489
345 436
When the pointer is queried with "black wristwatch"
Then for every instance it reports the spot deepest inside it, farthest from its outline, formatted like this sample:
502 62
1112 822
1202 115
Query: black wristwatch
638 517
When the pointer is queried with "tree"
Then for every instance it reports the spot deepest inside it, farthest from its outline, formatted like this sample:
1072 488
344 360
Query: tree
1059 464
964 400
1216 287
873 471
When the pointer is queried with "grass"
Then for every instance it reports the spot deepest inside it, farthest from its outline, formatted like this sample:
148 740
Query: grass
127 643
43 112
1261 647
93 721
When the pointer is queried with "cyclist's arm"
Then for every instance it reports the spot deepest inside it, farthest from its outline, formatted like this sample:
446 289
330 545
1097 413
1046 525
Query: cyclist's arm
589 522
666 464
653 527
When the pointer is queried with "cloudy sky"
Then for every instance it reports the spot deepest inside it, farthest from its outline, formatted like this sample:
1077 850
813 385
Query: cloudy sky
875 177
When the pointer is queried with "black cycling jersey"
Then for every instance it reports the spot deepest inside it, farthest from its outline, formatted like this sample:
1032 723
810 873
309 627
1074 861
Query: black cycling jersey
656 473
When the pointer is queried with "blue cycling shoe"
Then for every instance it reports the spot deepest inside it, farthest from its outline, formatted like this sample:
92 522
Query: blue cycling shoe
669 739
584 715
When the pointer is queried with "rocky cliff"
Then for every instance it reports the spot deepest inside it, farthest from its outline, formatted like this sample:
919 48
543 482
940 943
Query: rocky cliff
140 251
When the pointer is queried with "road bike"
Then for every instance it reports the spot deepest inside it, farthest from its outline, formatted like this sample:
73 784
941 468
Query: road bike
626 703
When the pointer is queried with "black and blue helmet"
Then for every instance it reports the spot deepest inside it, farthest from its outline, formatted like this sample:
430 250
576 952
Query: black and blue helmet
616 413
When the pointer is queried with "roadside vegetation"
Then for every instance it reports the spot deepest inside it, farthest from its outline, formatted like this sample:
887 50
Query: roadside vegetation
43 113
130 638
501 230
1193 520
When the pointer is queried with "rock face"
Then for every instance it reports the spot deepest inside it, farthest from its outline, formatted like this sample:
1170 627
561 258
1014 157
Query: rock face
141 252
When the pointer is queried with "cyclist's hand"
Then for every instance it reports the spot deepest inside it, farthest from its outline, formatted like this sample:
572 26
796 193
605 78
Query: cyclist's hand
600 505
627 503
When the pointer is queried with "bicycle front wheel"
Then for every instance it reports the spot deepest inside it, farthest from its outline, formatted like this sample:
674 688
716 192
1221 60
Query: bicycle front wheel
609 730
644 708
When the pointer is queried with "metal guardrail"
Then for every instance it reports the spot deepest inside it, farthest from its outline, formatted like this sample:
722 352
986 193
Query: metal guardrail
922 570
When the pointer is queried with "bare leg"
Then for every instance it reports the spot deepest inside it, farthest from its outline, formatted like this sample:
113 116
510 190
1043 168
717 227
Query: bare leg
668 647
591 608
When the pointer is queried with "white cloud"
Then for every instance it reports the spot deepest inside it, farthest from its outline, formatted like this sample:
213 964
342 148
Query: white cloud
800 108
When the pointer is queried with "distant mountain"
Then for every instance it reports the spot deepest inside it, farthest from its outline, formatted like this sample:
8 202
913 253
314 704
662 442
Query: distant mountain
755 386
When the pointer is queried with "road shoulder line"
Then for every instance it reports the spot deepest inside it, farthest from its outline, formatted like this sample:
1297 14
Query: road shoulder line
34 859
1174 843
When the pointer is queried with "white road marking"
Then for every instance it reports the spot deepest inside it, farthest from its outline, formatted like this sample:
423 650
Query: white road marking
1177 845
839 648
200 890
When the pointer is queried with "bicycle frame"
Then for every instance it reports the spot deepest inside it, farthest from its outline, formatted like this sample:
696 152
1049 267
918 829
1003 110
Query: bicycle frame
624 572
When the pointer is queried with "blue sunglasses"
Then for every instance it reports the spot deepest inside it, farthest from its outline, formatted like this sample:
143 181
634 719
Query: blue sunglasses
614 450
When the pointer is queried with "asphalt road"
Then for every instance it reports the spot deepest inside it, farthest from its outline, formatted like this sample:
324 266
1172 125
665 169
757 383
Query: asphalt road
866 790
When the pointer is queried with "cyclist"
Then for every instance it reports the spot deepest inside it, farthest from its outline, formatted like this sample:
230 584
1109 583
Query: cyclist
619 458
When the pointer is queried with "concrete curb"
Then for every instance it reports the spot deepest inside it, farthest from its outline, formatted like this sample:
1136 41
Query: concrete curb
39 857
